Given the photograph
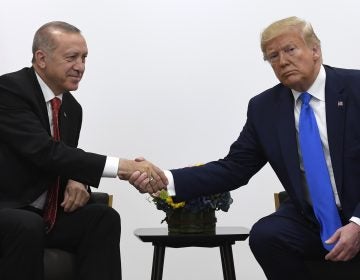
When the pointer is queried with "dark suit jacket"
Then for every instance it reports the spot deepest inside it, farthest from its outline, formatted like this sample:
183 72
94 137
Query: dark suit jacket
269 135
29 158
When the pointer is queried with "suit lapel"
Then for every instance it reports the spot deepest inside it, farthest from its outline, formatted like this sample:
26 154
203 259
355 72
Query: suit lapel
287 138
40 102
63 118
335 117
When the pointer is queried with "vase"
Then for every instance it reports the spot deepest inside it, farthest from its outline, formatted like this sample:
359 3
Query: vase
183 221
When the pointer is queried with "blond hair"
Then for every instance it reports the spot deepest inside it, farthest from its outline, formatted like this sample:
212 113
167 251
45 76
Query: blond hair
279 27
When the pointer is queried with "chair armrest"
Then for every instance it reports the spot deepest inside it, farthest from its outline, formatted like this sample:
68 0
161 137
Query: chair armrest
101 197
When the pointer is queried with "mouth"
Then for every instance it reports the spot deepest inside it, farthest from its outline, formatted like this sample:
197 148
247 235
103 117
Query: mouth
288 73
75 78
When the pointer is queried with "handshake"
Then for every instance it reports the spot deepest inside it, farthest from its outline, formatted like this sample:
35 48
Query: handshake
143 175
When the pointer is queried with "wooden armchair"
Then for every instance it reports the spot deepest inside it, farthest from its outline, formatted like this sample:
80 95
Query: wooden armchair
59 264
326 269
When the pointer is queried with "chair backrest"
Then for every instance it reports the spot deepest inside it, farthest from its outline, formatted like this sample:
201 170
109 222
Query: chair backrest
279 198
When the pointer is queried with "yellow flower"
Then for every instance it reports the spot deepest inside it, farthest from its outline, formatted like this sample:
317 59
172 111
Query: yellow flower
164 202
174 205
164 196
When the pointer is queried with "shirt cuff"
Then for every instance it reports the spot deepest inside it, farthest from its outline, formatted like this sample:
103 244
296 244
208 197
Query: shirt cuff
355 220
171 185
111 167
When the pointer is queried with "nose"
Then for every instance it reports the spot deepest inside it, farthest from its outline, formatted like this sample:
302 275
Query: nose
283 58
79 65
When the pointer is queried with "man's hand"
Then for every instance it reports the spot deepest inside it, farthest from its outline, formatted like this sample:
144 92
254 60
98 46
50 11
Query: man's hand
348 243
141 182
75 196
152 178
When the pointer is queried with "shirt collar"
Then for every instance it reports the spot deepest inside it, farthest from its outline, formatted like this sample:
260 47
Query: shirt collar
46 91
317 89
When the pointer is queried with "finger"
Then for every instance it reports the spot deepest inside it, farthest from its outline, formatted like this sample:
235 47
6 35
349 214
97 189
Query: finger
141 178
77 202
333 254
159 175
159 186
156 186
133 178
335 237
66 197
149 189
82 198
70 200
143 186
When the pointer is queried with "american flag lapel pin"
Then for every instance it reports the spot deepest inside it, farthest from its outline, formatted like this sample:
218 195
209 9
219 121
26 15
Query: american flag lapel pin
340 103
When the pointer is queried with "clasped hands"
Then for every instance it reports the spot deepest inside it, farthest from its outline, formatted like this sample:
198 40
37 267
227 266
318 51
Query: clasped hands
143 175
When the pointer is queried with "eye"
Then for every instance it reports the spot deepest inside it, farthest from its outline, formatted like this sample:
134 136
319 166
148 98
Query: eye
290 50
70 58
273 56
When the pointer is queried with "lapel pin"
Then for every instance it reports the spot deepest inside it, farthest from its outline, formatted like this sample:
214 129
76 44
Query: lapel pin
340 103
66 115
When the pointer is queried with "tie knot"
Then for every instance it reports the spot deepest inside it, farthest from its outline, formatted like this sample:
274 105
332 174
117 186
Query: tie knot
305 98
55 104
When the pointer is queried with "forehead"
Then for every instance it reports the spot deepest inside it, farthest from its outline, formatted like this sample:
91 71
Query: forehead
69 42
285 39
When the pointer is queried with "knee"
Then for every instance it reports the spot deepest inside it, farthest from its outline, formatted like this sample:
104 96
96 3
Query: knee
113 219
262 234
31 227
108 218
21 225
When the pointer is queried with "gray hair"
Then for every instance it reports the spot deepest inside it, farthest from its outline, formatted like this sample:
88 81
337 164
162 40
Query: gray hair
43 38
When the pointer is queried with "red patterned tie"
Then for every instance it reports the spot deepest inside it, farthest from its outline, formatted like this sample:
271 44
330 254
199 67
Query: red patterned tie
52 195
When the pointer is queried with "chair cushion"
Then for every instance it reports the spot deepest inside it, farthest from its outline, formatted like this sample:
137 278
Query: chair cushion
58 264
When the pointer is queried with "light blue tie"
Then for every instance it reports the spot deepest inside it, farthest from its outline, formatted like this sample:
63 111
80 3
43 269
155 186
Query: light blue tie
317 173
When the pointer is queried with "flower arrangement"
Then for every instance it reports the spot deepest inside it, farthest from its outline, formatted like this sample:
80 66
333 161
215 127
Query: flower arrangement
192 216
207 203
215 202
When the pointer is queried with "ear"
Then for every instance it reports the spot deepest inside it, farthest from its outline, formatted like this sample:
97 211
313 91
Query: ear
316 50
40 58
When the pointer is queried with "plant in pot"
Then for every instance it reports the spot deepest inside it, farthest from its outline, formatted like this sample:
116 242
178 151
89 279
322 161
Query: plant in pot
193 216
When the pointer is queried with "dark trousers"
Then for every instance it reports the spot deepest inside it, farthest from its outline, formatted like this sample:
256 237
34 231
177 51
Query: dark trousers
282 241
91 232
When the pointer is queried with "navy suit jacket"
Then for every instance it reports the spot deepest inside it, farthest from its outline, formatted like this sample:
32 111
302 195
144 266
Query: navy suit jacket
29 158
269 136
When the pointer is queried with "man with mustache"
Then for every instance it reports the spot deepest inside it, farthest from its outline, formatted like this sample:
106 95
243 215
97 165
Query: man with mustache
45 178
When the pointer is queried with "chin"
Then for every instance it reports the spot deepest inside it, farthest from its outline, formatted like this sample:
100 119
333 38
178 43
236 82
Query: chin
291 83
73 87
